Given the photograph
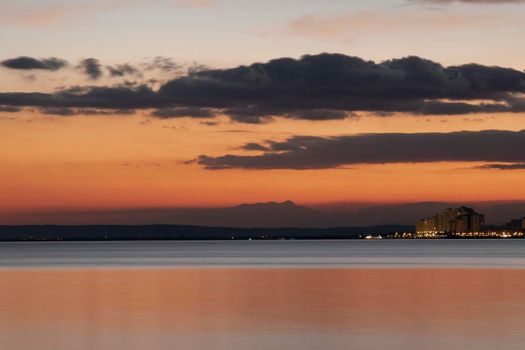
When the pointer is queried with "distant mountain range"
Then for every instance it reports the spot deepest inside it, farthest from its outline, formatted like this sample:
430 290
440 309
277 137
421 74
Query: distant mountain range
272 214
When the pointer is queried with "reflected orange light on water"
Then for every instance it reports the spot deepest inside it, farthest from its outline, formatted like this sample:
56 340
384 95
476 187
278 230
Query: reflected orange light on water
156 302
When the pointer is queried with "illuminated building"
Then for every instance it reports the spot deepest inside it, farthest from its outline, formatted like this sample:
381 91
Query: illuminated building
451 221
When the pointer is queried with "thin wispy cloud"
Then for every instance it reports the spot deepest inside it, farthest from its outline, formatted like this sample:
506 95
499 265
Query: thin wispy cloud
55 13
121 70
46 15
350 27
507 166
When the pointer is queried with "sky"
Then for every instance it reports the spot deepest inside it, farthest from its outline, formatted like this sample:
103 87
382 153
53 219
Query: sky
210 103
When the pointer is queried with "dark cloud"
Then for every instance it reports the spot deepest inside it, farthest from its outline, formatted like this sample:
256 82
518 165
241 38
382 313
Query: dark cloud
66 111
91 67
29 63
318 114
121 70
318 87
252 146
112 98
309 152
61 111
10 109
333 82
196 67
88 111
180 112
247 115
210 122
165 64
252 114
510 166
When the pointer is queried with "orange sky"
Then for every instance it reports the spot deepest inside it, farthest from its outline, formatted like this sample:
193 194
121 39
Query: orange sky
128 162
136 161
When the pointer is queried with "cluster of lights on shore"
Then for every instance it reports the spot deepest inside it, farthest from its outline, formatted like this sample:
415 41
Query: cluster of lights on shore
436 234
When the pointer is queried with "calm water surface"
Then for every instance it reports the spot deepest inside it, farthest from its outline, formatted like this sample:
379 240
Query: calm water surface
410 295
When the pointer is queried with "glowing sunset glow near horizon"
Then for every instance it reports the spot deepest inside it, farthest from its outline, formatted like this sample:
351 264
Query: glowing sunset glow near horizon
164 104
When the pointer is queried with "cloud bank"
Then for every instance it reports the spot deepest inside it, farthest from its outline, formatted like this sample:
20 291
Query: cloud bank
314 87
309 152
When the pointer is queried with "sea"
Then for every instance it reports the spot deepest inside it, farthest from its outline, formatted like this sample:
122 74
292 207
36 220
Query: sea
262 295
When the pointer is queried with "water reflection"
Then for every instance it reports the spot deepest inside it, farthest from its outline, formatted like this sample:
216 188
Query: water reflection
261 309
